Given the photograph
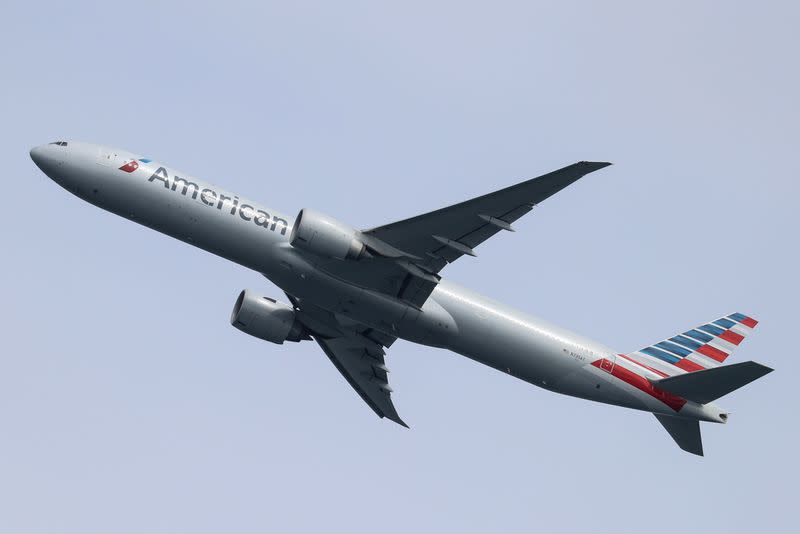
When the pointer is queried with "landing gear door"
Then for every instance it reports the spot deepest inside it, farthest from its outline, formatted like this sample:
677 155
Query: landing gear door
607 363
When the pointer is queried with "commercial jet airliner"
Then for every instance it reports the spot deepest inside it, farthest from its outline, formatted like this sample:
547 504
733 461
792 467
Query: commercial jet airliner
354 292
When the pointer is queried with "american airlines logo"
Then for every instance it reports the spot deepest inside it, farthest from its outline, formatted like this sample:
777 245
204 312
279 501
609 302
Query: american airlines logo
130 166
212 199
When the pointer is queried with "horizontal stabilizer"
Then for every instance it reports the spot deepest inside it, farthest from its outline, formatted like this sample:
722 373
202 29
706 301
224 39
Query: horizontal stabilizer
685 432
710 384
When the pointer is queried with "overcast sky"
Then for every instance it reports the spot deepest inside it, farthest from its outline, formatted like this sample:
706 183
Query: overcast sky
128 404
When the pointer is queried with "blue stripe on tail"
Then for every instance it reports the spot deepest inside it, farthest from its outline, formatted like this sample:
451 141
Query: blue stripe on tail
686 342
698 335
660 354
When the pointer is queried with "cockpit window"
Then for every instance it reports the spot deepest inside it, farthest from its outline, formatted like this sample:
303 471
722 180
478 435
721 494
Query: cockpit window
59 143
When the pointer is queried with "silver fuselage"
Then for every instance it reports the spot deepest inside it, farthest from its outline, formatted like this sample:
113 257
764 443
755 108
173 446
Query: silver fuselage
257 237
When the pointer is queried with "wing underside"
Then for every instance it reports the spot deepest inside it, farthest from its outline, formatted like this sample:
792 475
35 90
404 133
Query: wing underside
404 261
442 236
357 351
362 365
409 254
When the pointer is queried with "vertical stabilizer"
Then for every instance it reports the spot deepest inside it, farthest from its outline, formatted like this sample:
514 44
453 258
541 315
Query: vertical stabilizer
704 347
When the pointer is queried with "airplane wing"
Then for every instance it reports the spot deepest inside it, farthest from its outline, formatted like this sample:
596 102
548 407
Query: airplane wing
357 351
442 236
419 247
409 255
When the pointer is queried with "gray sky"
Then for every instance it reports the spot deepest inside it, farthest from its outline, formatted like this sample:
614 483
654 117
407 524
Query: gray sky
129 405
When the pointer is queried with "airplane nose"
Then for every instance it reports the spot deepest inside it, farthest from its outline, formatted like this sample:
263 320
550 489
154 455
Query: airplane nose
48 158
37 155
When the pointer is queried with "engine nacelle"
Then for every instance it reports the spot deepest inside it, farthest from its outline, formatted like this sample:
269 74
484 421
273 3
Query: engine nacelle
266 318
325 236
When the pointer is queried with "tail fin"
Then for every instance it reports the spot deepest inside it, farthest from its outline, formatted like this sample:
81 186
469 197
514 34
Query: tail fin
685 432
710 384
704 347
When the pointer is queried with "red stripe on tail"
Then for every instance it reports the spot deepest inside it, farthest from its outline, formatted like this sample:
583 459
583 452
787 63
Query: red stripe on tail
640 382
748 321
713 353
637 362
731 337
688 365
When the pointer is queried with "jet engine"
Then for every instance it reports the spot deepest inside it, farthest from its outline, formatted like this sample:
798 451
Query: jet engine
325 236
266 319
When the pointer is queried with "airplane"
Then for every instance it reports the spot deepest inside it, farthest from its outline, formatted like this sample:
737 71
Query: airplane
354 292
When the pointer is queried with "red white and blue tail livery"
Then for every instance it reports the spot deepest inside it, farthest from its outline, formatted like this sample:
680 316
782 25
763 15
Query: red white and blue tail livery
704 347
684 374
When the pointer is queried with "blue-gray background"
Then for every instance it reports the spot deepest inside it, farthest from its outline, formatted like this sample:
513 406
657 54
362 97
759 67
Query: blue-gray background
129 404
